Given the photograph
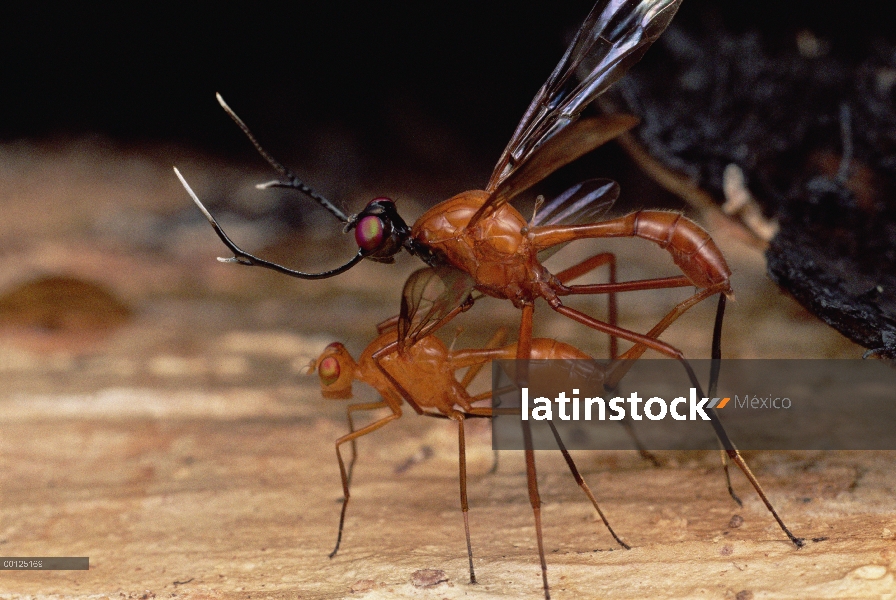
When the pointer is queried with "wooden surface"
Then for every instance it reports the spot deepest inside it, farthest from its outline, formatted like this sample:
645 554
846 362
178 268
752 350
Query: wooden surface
188 456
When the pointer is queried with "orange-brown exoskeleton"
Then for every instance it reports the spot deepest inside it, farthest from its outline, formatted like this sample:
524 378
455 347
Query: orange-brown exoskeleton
476 241
423 375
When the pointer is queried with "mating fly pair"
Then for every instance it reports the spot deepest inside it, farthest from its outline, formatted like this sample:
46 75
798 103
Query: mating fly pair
424 377
477 242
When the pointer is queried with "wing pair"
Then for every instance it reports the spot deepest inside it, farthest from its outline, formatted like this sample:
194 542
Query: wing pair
613 37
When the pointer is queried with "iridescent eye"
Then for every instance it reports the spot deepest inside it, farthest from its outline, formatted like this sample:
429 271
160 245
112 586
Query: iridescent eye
369 233
328 371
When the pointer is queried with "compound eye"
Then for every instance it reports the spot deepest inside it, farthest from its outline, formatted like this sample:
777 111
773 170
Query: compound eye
328 371
369 233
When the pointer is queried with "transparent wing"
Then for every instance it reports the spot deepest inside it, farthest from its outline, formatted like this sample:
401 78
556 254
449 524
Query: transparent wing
584 202
429 295
614 36
577 139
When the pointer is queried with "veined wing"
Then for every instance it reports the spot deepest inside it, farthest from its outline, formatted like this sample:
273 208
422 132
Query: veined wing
577 139
613 37
429 295
585 202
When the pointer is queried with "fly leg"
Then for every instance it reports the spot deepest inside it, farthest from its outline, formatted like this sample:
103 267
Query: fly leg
395 406
396 413
462 457
463 358
663 348
462 465
619 369
460 418
586 266
611 290
715 365
489 412
523 354
577 270
351 429
583 485
497 339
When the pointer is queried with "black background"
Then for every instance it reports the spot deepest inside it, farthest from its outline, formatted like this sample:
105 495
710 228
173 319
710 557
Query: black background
148 71
348 94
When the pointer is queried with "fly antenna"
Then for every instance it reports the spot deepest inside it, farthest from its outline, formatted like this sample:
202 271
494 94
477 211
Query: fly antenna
291 179
242 257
